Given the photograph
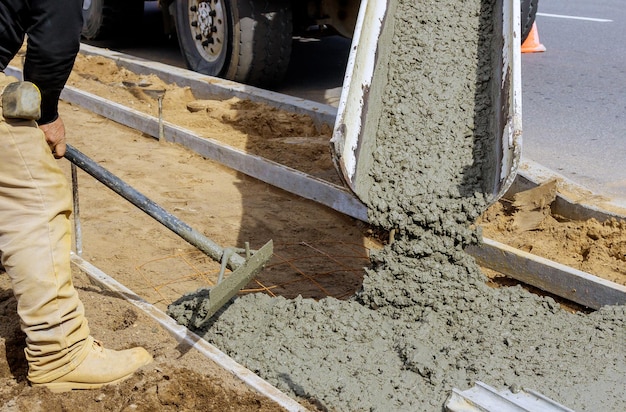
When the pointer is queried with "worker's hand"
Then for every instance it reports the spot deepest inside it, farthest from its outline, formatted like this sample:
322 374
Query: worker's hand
55 136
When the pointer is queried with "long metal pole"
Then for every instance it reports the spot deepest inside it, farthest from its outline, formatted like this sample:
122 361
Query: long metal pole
168 220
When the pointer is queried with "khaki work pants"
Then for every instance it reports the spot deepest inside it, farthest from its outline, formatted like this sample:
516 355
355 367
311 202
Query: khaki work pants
35 242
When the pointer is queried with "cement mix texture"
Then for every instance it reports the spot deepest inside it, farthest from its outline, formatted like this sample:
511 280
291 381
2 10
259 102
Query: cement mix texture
425 321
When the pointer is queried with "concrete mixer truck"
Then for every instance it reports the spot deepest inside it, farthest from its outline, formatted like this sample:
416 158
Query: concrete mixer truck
248 41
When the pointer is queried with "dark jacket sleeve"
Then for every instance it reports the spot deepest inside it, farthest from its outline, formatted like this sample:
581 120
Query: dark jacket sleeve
11 29
53 42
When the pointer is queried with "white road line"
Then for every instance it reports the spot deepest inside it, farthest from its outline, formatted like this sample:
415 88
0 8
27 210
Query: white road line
561 16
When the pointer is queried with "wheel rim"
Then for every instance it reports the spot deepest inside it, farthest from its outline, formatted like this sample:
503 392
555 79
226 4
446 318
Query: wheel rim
207 21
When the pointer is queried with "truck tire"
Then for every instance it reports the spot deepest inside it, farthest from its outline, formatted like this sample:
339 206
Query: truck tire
527 16
111 18
248 41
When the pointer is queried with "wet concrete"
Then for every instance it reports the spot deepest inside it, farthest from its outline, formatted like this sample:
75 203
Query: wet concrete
425 321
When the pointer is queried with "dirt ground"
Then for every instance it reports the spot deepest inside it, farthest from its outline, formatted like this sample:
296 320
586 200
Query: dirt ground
318 252
526 222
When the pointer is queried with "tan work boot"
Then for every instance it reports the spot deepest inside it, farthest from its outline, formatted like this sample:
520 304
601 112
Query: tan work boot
101 367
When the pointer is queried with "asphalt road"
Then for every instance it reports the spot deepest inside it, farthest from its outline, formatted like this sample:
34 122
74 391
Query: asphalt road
574 94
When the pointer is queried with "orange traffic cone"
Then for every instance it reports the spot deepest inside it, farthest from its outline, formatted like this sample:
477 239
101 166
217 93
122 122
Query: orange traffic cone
532 43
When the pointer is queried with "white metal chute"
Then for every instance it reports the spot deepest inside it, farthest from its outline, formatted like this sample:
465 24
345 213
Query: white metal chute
354 135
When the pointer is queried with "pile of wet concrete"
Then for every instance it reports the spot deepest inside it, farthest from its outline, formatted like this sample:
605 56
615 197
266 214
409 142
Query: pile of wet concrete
425 321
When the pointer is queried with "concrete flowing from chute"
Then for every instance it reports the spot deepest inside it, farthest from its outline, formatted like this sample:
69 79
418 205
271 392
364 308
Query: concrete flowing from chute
425 321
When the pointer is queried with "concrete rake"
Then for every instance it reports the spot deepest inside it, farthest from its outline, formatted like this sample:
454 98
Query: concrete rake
244 268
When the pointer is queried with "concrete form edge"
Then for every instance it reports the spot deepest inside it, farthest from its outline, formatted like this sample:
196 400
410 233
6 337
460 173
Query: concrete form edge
573 200
558 279
205 86
184 335
283 177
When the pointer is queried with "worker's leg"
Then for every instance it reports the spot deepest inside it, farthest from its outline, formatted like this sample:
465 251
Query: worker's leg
35 206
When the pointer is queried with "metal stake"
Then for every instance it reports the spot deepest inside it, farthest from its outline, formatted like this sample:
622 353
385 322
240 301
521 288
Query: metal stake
78 231
161 129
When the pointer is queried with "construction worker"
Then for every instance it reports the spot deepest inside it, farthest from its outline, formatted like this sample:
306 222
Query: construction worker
35 207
